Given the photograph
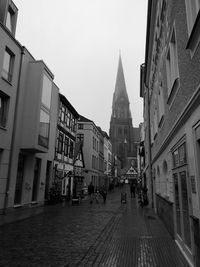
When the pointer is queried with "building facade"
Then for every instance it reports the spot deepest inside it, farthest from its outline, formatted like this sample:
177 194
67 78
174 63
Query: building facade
108 160
101 156
88 133
121 129
10 64
171 92
65 147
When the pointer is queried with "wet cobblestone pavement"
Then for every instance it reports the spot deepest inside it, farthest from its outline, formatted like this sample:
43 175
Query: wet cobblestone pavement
113 234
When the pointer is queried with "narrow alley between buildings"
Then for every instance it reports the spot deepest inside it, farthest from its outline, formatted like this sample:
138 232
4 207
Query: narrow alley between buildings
110 234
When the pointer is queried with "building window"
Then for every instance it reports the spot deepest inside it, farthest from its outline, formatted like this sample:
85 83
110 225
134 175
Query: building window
80 126
119 131
4 103
80 138
125 132
60 143
152 134
71 150
10 19
192 9
43 138
160 103
193 23
172 65
73 124
8 65
155 121
66 146
62 118
179 156
46 91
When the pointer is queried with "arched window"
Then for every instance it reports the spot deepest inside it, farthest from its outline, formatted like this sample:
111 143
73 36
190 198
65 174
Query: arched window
119 131
125 131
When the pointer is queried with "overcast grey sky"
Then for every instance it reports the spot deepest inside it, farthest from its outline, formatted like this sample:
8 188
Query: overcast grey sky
79 40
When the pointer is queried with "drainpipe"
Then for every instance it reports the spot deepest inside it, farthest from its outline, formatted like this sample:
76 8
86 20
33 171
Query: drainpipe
149 146
13 133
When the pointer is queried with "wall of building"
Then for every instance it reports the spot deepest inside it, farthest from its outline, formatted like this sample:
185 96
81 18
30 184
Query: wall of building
9 90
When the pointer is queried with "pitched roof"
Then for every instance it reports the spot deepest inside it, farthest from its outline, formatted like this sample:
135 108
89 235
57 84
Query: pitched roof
128 167
69 105
84 119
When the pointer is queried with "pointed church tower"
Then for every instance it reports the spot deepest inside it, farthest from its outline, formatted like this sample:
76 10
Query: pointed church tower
121 128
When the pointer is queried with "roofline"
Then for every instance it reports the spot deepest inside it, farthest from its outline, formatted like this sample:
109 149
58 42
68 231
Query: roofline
151 8
69 105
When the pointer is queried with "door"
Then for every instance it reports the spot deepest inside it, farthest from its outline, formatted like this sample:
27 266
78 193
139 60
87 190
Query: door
36 179
182 219
19 180
47 181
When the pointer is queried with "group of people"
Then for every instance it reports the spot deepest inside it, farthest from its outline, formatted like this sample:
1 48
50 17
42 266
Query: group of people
141 193
95 193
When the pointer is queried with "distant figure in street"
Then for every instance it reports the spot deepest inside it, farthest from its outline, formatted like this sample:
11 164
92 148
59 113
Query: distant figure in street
91 192
104 193
97 195
132 190
145 196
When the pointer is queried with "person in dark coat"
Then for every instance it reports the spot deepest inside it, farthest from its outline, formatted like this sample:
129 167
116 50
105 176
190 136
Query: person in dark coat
91 192
104 193
132 190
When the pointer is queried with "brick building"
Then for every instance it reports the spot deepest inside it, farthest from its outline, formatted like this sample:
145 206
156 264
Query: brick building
170 87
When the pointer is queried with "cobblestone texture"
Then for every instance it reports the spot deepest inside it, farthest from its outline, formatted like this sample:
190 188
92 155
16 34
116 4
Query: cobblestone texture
113 234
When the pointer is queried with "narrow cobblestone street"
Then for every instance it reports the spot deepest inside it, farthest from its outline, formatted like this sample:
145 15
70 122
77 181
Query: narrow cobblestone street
111 234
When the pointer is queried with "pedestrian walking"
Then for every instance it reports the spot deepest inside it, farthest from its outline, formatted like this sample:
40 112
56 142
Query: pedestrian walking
145 196
96 195
132 190
91 192
104 193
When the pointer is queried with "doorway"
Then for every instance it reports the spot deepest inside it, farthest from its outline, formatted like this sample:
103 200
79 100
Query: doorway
181 200
36 179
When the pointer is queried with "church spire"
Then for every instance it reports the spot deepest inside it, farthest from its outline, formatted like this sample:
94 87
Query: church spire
120 89
120 86
121 128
